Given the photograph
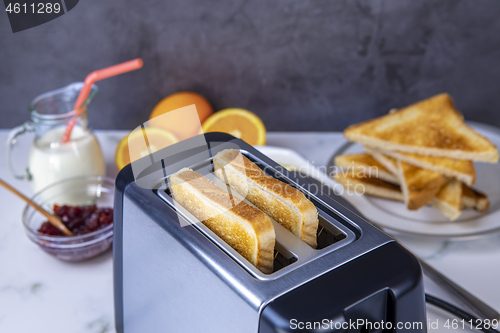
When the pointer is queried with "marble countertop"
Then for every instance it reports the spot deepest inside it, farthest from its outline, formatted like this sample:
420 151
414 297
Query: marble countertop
39 293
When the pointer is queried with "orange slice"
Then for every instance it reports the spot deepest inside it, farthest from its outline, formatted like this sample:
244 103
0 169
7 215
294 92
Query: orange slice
180 125
156 139
240 123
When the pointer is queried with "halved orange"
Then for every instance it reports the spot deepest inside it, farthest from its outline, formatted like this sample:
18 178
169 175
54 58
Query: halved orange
182 125
156 139
240 123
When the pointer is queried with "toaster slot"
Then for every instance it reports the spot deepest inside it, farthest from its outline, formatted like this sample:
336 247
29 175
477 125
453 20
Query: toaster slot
327 235
330 230
282 256
290 252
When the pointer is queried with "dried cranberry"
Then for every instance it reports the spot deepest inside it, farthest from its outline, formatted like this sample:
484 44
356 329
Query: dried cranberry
60 210
80 220
49 229
105 219
92 223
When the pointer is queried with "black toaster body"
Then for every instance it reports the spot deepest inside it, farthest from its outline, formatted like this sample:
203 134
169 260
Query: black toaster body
171 274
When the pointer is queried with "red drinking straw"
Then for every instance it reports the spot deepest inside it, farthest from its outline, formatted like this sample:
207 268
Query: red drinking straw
87 86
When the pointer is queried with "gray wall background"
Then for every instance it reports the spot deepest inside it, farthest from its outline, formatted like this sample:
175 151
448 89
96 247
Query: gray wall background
299 64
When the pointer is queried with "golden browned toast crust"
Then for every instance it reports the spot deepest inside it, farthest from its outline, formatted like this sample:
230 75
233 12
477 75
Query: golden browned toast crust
449 199
446 200
473 199
362 159
419 186
429 127
246 229
389 163
460 169
364 165
368 185
285 204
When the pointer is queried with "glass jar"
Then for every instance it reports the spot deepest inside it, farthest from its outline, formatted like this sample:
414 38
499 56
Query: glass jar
49 159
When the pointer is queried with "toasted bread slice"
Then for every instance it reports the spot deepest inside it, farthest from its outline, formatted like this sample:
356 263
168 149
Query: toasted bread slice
389 163
445 201
473 199
246 229
364 165
370 186
285 204
430 127
449 199
459 169
418 185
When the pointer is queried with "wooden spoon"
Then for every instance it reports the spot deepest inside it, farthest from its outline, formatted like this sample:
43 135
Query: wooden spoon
54 220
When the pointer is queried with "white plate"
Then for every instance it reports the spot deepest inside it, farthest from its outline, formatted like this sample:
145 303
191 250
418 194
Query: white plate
427 221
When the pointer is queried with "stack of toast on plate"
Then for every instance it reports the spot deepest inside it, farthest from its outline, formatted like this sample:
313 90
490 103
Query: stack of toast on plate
421 154
246 226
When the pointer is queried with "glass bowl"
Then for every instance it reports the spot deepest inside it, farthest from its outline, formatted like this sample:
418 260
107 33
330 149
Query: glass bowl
77 191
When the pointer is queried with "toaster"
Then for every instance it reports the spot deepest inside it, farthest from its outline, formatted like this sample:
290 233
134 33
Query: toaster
172 274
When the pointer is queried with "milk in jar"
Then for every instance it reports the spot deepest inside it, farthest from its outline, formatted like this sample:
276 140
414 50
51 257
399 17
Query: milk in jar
51 161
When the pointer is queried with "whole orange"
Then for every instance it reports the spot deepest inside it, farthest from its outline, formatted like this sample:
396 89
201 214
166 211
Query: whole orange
183 124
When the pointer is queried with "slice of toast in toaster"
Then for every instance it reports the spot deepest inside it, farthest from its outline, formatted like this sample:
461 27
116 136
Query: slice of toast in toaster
430 127
246 229
282 202
460 169
418 185
365 165
449 199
